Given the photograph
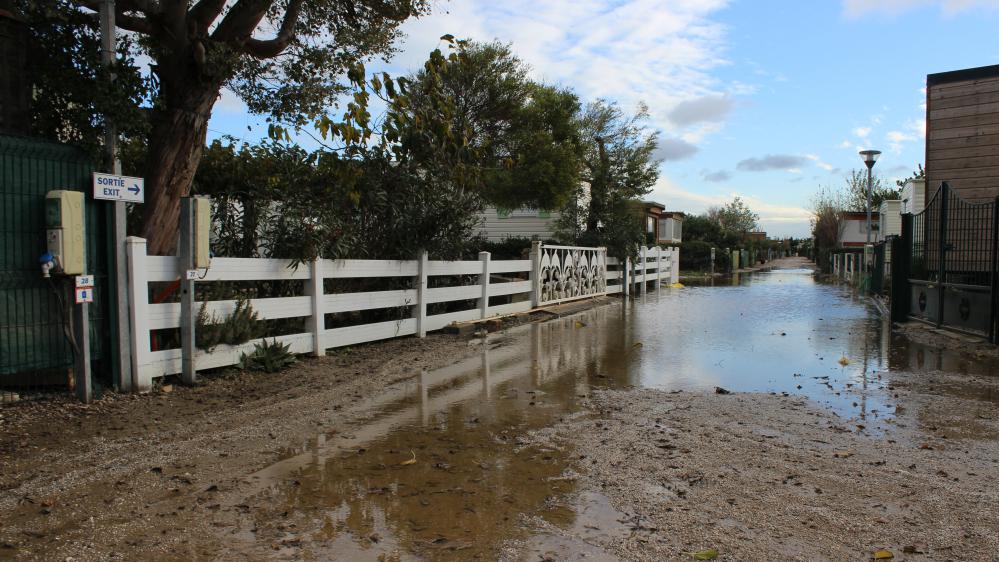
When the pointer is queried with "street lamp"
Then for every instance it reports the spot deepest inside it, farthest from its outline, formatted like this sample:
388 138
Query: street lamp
870 157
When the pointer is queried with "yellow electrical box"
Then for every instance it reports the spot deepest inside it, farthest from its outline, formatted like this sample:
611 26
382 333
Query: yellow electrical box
66 230
202 232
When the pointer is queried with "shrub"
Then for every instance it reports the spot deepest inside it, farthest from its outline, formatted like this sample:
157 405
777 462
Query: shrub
268 357
695 255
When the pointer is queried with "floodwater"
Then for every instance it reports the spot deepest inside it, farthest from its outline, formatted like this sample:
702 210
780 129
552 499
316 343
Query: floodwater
434 469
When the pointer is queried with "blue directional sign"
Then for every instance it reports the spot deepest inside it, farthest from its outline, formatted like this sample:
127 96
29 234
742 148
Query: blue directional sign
119 188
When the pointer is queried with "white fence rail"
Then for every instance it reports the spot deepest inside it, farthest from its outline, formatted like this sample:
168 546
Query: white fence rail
571 273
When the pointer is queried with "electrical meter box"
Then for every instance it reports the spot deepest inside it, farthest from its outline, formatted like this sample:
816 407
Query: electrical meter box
202 231
65 230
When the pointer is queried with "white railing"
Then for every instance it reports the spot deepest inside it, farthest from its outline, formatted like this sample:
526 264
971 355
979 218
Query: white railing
567 273
552 274
313 303
653 263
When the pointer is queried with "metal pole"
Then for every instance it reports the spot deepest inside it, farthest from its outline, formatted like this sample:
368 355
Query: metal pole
123 350
188 316
81 371
869 166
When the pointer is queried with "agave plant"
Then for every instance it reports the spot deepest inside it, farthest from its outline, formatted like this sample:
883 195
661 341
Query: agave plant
269 357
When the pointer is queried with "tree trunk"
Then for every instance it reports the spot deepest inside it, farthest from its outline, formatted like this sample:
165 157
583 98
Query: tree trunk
175 147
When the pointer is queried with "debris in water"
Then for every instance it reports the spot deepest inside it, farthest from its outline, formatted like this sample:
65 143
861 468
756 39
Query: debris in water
842 454
636 345
676 286
580 324
708 554
720 390
844 361
409 461
882 555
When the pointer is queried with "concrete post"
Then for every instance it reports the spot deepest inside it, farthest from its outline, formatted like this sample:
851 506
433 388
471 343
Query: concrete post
138 296
535 275
484 257
421 295
188 314
317 321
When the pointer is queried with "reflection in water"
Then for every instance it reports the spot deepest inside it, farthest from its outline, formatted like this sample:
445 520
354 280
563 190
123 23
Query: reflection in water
351 494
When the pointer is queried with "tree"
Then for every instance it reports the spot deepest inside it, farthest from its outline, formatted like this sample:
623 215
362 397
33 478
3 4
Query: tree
519 139
734 216
72 92
827 205
617 168
918 174
617 157
856 191
284 58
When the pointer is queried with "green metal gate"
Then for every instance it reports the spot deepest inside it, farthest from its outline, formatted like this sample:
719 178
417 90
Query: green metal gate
35 353
951 263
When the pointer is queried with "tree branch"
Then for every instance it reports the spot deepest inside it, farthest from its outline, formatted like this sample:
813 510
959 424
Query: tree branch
134 23
241 20
204 13
263 49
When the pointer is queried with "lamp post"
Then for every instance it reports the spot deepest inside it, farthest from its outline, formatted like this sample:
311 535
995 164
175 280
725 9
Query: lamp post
870 157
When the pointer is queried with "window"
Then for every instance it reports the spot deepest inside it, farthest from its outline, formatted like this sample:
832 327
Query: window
664 229
650 224
677 230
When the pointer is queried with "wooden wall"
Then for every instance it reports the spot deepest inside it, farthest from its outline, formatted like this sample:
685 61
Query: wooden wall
962 132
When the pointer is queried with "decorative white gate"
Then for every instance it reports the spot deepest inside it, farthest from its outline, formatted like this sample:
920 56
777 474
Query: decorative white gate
566 273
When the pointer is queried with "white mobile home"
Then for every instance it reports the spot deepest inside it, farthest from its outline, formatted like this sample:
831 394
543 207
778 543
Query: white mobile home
499 224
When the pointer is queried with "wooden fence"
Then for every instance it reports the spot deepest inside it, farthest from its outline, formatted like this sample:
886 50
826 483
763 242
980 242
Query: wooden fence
518 281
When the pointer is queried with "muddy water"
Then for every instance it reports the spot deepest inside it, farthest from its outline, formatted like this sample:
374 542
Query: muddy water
432 468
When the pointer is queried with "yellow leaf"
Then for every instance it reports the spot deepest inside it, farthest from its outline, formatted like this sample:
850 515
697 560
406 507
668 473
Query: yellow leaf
883 555
676 286
408 462
708 554
843 454
844 361
580 324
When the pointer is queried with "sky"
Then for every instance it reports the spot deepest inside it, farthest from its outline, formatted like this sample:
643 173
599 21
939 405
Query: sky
763 99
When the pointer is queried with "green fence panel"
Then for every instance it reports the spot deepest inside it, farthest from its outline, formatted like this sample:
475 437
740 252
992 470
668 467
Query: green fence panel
33 344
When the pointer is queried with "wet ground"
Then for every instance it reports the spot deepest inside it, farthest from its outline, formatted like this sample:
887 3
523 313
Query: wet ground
423 449
437 470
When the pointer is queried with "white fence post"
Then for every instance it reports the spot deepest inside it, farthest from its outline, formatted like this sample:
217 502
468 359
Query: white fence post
138 288
627 275
484 257
421 295
675 263
316 322
535 275
645 265
659 267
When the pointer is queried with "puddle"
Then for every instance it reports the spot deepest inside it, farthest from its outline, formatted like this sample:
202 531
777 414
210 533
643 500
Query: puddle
433 468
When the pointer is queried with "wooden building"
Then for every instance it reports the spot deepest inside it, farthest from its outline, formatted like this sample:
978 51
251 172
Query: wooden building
962 132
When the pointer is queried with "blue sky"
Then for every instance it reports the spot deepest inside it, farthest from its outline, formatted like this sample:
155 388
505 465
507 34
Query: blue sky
765 99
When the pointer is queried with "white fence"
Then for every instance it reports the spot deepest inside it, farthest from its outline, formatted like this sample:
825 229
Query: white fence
519 280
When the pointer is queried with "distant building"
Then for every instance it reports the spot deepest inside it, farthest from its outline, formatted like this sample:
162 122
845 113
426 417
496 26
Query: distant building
662 227
757 236
853 228
497 225
890 218
913 197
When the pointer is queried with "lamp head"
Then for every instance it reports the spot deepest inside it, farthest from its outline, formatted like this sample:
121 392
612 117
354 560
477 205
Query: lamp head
870 157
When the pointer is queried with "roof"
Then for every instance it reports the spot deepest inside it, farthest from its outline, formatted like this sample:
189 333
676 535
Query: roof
976 73
675 214
653 204
858 215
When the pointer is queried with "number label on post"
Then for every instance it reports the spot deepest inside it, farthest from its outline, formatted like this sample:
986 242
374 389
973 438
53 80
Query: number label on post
83 281
84 294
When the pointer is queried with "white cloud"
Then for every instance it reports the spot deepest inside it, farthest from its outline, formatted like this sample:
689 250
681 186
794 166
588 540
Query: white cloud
628 51
787 162
862 132
777 220
818 162
860 8
674 149
896 139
